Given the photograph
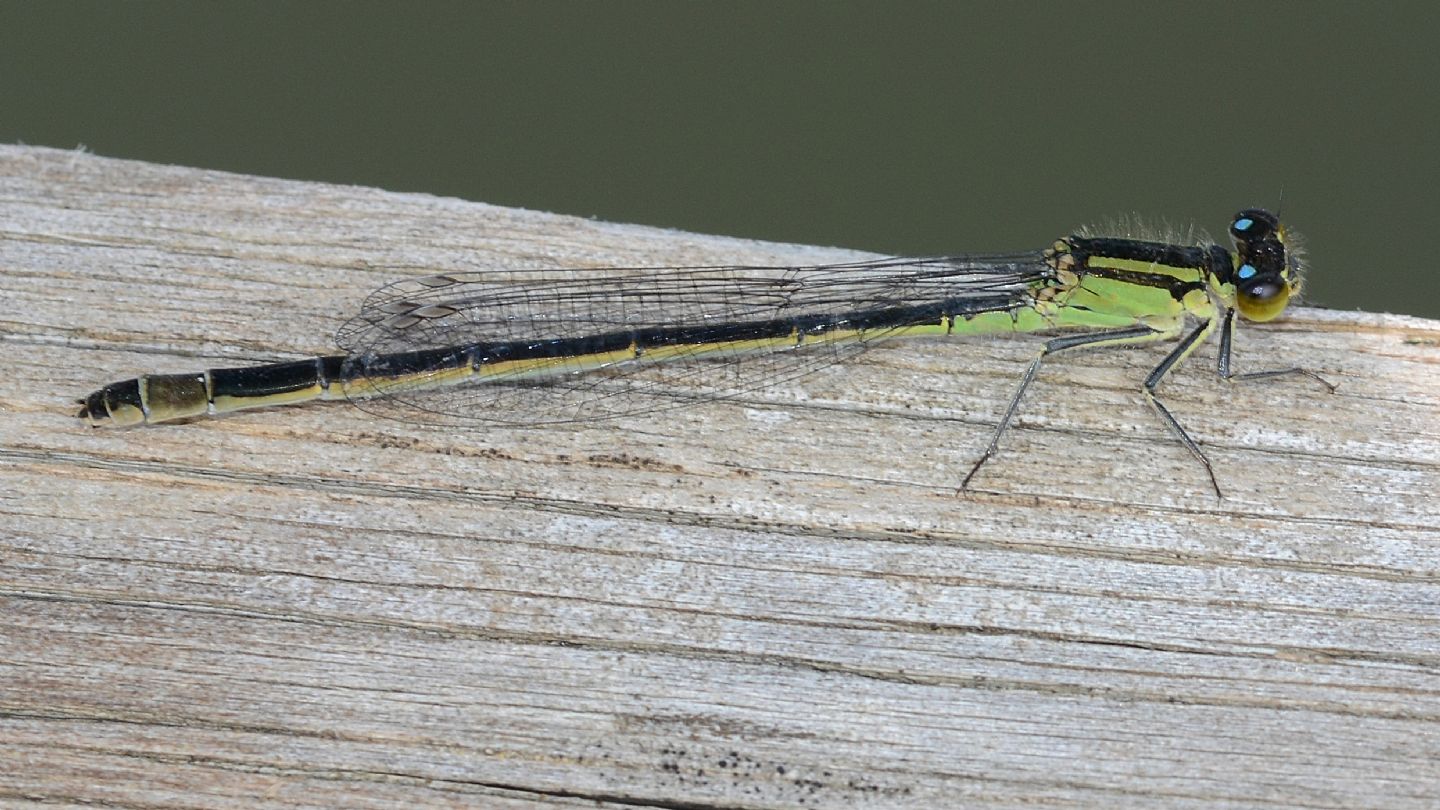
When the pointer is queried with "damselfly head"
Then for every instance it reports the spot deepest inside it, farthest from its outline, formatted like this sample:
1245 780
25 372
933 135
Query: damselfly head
1266 276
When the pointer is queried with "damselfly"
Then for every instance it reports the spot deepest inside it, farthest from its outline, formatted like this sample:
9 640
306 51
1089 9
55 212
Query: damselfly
532 348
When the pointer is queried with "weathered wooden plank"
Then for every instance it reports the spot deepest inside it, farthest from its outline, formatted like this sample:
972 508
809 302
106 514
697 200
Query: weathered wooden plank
760 604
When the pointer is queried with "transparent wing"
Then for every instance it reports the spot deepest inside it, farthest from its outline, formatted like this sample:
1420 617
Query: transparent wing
484 309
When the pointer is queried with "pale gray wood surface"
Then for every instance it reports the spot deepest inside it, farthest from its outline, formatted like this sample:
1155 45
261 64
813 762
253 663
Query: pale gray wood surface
774 603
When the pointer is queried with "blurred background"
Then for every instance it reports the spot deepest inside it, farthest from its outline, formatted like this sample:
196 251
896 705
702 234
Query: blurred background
910 127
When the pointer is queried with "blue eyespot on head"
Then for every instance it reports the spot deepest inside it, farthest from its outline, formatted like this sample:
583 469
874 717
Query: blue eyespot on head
1246 271
1253 225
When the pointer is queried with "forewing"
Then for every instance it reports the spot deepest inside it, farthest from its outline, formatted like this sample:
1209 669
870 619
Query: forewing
556 305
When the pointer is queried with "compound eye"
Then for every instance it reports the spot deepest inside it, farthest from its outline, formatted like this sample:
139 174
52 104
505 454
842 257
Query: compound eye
1252 225
1262 301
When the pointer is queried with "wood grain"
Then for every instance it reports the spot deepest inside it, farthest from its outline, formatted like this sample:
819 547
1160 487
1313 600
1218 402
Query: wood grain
779 602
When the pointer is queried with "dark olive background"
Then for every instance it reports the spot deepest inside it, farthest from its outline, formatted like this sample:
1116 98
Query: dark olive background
894 127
